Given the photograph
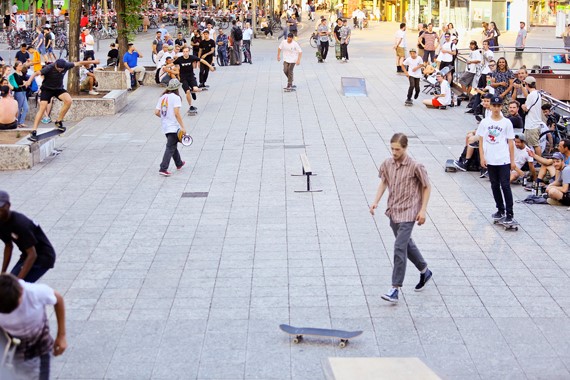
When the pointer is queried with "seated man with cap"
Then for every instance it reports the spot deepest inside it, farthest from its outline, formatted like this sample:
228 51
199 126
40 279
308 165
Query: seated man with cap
523 160
442 99
559 190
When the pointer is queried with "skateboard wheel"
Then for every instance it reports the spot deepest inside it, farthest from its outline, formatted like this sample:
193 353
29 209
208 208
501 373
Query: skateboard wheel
343 343
298 339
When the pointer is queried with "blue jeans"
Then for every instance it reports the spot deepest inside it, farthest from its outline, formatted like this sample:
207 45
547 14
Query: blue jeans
501 186
35 273
171 151
22 100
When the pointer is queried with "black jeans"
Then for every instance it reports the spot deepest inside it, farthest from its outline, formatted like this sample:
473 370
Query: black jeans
344 51
204 72
501 186
35 273
171 151
324 49
414 85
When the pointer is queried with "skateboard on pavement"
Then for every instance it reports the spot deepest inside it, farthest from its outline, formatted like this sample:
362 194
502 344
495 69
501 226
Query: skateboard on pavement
507 226
450 166
337 51
289 89
408 103
299 332
43 136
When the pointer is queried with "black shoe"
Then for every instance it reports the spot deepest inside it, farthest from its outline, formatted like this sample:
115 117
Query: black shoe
478 118
424 278
141 83
59 125
129 89
201 85
416 95
193 94
33 136
498 215
470 111
460 165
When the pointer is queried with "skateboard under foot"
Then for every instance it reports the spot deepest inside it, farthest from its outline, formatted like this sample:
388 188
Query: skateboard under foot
408 103
507 226
299 332
288 89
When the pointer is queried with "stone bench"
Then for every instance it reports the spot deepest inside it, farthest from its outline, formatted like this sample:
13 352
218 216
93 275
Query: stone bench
377 368
109 79
19 153
110 104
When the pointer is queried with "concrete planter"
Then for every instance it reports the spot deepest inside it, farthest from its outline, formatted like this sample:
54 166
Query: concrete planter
116 80
23 154
110 104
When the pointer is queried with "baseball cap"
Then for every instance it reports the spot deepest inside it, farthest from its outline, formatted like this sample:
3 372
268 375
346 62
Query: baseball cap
496 100
413 50
4 198
555 156
170 47
290 35
60 62
530 80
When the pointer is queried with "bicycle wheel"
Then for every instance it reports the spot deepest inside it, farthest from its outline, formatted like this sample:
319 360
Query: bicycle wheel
313 41
224 24
219 60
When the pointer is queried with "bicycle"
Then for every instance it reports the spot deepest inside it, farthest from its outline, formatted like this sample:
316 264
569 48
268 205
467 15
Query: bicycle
314 40
274 25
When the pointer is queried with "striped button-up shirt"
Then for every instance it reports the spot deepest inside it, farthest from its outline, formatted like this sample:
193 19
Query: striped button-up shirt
405 181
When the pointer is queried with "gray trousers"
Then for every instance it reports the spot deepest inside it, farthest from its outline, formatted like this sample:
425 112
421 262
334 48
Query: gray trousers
404 248
288 70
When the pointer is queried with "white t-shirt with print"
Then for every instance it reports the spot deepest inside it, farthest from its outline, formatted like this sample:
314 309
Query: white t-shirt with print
290 51
488 56
413 63
28 318
446 90
522 156
401 34
495 140
165 106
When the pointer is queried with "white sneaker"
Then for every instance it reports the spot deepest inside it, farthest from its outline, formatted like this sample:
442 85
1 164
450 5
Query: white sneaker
92 92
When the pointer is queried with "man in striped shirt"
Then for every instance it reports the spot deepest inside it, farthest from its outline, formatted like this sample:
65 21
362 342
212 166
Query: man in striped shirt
409 193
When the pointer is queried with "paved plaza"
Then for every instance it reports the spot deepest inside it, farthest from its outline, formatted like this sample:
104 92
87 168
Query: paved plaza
163 286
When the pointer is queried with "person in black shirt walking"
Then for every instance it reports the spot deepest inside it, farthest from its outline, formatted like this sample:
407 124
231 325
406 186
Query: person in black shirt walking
38 255
187 77
207 49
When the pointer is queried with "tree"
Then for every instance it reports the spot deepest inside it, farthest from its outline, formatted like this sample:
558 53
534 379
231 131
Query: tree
128 20
74 19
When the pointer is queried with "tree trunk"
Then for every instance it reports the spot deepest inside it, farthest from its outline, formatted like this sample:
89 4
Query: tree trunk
120 8
74 19
179 13
105 11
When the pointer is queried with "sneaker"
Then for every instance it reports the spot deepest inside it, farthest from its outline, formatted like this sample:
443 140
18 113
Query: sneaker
141 83
193 109
484 173
474 145
46 120
59 125
470 111
478 118
164 173
553 202
460 165
508 219
181 166
498 215
92 92
391 296
424 278
33 136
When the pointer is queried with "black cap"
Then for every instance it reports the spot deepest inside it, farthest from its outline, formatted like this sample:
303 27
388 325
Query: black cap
290 35
496 100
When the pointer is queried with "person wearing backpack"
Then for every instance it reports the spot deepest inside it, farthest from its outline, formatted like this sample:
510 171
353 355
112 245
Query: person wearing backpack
237 37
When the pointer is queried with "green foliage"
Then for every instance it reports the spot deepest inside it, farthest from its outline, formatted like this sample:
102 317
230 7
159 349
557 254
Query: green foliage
132 18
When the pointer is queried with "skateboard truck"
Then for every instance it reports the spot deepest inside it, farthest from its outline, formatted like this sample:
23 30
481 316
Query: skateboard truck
299 332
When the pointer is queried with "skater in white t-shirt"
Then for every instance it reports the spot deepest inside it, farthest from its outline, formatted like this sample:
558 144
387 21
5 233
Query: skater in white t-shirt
497 154
414 73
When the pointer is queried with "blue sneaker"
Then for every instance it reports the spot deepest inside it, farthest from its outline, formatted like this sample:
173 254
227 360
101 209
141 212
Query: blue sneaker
46 120
424 278
498 215
391 296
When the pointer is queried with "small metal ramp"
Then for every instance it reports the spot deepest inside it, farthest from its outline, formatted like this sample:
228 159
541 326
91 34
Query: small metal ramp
352 86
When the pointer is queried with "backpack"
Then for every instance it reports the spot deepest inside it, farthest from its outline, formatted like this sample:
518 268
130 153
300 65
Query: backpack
157 76
238 35
534 200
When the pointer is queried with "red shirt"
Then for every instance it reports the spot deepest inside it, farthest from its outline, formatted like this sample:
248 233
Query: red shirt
84 21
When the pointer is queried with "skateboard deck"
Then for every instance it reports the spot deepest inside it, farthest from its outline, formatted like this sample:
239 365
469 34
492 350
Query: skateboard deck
337 51
299 332
53 132
508 227
289 89
450 166
408 103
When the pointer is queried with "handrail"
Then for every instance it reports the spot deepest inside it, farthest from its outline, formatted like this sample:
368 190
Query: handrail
528 50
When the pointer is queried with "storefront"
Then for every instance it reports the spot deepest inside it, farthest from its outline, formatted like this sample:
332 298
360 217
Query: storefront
543 12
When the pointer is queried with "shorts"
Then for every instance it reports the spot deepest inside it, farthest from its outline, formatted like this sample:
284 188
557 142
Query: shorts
42 50
47 94
532 136
467 79
435 102
84 86
49 50
445 64
400 52
565 199
518 53
188 83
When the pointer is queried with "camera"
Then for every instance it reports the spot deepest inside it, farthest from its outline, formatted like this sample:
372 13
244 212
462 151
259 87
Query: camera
517 81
